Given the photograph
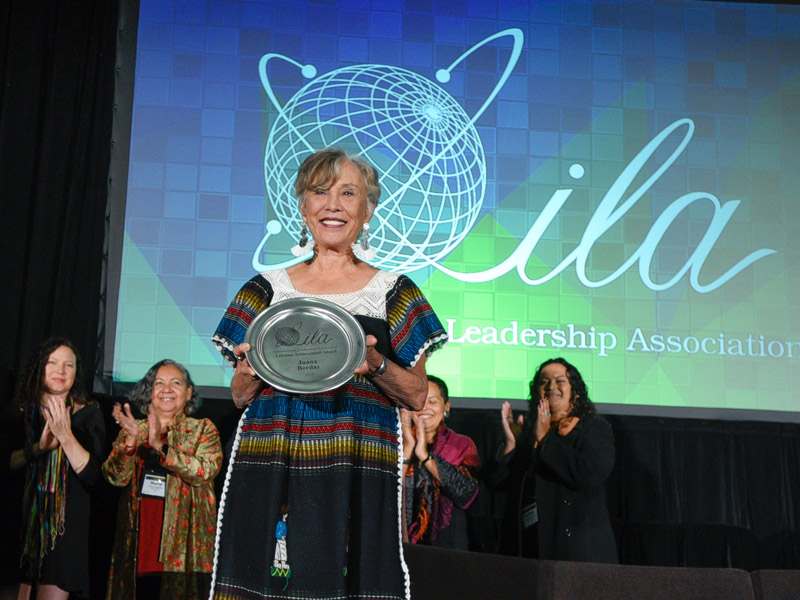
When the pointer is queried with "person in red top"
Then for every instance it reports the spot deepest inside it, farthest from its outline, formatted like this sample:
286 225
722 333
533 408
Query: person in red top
167 463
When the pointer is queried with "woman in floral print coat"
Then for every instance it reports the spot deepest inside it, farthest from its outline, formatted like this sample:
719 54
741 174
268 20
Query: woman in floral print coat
167 512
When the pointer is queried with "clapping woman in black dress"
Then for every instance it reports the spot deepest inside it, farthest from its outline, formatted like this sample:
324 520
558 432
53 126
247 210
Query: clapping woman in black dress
64 438
555 469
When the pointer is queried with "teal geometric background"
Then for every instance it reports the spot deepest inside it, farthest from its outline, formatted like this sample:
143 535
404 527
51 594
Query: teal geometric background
594 83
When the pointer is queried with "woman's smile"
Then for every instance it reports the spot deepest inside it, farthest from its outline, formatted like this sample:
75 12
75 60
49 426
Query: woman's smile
336 211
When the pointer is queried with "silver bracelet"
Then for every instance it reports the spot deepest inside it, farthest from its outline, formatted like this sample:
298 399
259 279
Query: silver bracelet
381 368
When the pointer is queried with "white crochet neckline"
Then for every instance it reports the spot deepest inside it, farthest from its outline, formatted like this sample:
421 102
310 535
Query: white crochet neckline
369 301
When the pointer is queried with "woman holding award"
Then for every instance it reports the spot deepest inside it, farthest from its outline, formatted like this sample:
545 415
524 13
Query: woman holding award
310 504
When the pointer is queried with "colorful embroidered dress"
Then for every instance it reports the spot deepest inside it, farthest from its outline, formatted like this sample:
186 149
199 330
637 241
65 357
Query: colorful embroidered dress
310 505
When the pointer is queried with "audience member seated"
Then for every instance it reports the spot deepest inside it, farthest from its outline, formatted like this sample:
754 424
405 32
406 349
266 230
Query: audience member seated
440 473
164 544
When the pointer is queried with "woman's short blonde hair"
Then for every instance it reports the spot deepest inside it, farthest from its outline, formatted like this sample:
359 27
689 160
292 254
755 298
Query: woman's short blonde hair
321 169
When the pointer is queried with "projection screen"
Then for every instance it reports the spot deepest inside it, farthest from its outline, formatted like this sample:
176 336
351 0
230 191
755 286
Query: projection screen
614 183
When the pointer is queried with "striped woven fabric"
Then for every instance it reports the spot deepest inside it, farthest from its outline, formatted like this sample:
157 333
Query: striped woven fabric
310 505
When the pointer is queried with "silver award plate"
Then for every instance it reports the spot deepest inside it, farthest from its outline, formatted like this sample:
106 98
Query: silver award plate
305 345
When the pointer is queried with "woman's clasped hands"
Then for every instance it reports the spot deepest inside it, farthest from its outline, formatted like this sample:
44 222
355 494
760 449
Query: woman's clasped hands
416 433
127 422
57 426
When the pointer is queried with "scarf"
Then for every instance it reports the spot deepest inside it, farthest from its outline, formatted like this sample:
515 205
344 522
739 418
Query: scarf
433 510
44 498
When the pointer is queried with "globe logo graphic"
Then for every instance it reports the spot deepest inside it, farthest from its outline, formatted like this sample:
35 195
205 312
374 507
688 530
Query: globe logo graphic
429 156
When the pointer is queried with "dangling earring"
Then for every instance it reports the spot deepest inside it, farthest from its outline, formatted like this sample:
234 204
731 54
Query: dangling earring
304 246
362 249
446 414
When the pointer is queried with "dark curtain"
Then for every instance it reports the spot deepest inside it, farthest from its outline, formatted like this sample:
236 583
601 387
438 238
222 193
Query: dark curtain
56 104
707 493
57 71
